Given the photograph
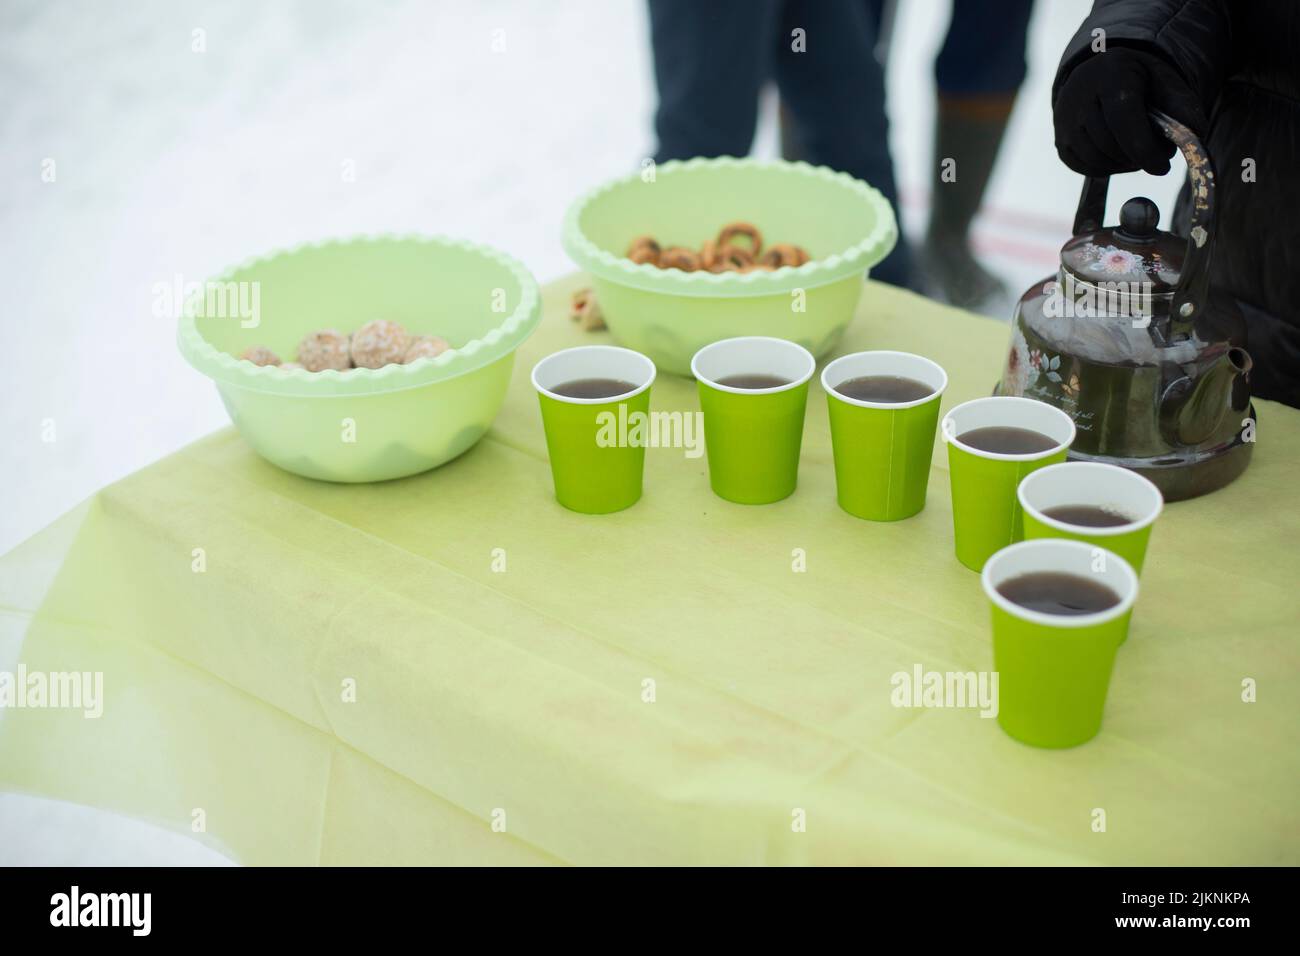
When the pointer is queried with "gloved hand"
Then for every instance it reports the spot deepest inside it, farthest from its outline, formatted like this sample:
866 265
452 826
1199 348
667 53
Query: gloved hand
1100 113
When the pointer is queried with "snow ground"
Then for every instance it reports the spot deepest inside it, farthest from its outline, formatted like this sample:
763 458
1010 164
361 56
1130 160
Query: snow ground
170 161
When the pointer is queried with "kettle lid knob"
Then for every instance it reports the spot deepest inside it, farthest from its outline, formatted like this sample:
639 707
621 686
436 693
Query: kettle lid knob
1139 219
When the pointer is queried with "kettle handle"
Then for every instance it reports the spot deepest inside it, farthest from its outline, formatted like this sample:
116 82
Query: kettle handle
1193 289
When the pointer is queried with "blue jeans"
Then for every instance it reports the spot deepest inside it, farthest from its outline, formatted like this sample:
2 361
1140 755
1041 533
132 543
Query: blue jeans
712 57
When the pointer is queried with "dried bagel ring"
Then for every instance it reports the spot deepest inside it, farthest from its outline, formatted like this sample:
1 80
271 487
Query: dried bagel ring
679 257
709 254
735 230
585 310
783 254
732 259
644 249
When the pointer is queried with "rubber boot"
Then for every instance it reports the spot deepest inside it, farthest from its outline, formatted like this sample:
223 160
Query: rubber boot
969 131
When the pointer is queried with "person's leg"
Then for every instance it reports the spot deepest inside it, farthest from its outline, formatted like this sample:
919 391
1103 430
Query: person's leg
710 59
977 74
881 14
834 90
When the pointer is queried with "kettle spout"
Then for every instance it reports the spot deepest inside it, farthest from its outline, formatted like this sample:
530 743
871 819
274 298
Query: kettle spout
1241 362
1193 408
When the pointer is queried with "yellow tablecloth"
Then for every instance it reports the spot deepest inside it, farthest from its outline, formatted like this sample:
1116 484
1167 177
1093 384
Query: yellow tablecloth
507 715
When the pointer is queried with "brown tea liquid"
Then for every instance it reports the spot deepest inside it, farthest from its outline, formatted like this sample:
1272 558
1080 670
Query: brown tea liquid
1088 516
753 381
1005 440
594 388
1055 592
884 389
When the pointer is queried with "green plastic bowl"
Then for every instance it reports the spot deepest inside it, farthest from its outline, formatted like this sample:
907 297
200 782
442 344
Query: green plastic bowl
365 424
844 224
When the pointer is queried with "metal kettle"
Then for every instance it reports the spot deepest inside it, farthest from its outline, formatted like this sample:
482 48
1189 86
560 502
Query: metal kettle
1130 340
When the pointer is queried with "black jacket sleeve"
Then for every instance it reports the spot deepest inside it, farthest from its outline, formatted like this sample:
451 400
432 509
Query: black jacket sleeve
1192 36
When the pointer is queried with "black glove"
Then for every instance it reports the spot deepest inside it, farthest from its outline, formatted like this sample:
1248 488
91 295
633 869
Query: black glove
1100 113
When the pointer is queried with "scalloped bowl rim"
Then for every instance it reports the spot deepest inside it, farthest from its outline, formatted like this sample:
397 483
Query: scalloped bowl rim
225 368
860 256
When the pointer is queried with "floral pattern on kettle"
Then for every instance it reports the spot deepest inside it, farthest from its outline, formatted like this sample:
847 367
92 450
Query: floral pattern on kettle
1109 260
1033 370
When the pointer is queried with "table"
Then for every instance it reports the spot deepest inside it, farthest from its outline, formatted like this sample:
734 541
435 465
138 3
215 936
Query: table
451 668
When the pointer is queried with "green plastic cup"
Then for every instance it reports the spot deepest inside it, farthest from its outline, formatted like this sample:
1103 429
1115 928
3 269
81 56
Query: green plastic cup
1098 485
1054 670
752 435
597 455
985 511
882 449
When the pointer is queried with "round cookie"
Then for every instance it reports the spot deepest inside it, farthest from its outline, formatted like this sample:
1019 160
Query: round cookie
327 348
379 343
259 355
425 346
